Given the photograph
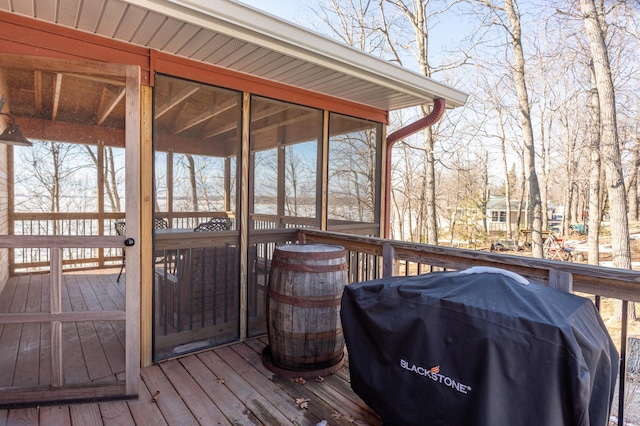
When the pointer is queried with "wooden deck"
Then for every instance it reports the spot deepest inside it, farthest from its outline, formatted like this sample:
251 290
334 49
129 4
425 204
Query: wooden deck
94 351
225 385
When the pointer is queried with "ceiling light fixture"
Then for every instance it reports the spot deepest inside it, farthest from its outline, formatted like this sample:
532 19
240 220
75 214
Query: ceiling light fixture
12 135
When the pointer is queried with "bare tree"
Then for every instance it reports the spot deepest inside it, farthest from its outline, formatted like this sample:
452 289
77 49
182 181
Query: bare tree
352 175
632 181
594 22
417 14
56 183
509 18
111 175
595 215
191 167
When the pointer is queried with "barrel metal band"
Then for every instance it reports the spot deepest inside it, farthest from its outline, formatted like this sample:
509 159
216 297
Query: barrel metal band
315 255
307 268
303 303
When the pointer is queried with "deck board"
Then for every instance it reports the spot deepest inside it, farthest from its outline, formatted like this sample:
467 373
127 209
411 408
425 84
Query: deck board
55 416
252 399
9 342
233 409
85 415
116 414
144 410
27 364
200 405
220 386
168 400
23 416
265 386
320 405
281 408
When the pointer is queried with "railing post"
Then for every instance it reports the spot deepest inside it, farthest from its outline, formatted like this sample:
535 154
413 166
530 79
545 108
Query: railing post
389 266
55 307
559 280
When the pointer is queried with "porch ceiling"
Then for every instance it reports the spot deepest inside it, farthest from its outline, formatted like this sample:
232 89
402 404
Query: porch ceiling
237 37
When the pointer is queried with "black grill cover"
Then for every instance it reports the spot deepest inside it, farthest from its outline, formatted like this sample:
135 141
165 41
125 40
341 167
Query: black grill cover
477 349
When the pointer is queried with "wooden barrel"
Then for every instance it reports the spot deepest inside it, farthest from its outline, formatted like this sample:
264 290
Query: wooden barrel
303 310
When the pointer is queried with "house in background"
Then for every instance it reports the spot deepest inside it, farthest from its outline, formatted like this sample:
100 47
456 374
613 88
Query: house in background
497 215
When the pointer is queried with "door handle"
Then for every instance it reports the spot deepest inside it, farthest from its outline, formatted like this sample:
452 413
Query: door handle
129 242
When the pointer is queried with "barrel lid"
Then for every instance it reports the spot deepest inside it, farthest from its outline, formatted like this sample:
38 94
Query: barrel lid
310 248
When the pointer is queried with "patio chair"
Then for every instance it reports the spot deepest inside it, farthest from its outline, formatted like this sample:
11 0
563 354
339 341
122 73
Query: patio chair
121 230
215 224
553 248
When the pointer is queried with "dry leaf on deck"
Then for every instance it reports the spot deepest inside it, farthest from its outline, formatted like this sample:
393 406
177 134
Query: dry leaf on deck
302 402
344 417
320 379
299 380
220 380
154 398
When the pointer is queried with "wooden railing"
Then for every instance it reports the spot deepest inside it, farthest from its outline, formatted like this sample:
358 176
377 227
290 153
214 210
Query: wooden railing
402 256
35 259
372 258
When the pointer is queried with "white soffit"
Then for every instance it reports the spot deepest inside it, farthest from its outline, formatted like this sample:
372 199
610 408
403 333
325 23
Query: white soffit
240 38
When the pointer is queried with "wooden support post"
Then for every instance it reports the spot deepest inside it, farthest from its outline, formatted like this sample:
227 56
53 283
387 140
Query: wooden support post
146 233
389 265
561 280
244 213
55 307
100 191
322 195
133 218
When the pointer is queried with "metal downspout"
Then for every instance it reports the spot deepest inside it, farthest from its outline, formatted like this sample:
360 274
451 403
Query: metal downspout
434 116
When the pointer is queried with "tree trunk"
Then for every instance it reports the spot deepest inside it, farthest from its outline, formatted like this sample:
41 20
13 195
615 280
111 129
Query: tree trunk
430 193
543 159
566 214
632 182
535 202
633 200
192 182
621 251
507 184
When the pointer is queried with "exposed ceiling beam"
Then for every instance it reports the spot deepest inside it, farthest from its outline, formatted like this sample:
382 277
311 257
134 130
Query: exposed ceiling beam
268 112
38 129
106 107
176 99
97 79
282 123
219 109
57 131
37 92
220 130
57 88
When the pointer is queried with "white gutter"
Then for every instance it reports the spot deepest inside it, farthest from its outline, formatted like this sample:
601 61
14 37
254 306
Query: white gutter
246 23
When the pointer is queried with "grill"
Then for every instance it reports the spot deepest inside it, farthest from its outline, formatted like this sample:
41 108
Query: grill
460 348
